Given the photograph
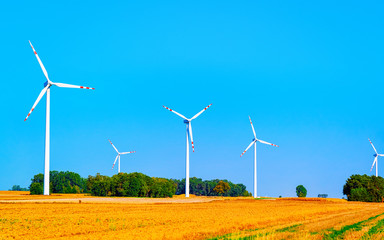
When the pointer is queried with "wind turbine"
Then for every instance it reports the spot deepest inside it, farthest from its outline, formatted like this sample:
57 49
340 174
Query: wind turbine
375 161
46 89
118 156
254 141
187 121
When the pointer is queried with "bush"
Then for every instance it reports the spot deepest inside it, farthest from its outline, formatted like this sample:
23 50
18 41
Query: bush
36 189
360 194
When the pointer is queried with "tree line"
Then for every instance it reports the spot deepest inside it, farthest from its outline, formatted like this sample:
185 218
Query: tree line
133 185
214 187
18 188
130 185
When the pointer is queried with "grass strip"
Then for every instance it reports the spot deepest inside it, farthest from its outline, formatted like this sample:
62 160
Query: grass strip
339 234
378 228
292 228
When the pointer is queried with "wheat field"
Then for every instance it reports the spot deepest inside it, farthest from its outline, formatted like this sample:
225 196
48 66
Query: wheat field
64 217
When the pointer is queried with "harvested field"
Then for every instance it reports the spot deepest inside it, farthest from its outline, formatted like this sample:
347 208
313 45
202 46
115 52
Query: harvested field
211 218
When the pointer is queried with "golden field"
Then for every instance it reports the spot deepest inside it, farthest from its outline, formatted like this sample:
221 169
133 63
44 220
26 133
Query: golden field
63 217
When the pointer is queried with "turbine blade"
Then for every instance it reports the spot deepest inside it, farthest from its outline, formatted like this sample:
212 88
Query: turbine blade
267 143
70 86
128 152
372 145
247 148
254 133
113 146
41 64
200 112
190 135
374 162
37 101
175 112
115 161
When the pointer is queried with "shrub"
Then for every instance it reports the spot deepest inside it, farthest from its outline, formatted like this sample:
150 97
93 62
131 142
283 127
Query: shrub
36 189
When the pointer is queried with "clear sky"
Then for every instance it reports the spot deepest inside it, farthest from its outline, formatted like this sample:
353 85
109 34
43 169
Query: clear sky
309 74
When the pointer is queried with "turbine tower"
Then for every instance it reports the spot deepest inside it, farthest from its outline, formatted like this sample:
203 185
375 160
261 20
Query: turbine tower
118 156
46 89
375 161
254 141
187 121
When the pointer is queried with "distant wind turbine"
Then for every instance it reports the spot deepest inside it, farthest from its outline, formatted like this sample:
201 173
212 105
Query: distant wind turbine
375 161
46 89
118 156
187 121
254 141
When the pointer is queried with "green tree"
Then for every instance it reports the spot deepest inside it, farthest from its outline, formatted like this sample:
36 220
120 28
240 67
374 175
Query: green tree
162 187
301 191
364 188
100 185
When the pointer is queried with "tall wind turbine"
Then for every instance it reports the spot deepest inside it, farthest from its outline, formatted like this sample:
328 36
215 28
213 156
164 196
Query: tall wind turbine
254 141
375 161
46 89
187 121
118 156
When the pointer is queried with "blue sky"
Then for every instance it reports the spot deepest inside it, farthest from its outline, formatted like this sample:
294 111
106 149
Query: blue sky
309 74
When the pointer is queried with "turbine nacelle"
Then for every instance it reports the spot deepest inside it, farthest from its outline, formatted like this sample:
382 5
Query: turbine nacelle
186 121
375 155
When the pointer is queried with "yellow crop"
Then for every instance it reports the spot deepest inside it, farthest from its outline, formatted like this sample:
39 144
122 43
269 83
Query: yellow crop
125 218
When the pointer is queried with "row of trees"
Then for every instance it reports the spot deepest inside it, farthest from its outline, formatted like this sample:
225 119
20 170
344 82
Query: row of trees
18 188
60 182
214 187
130 185
134 185
364 188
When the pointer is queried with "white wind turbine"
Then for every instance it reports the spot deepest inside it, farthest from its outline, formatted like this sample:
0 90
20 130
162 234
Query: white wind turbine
254 141
46 89
187 121
375 161
118 156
